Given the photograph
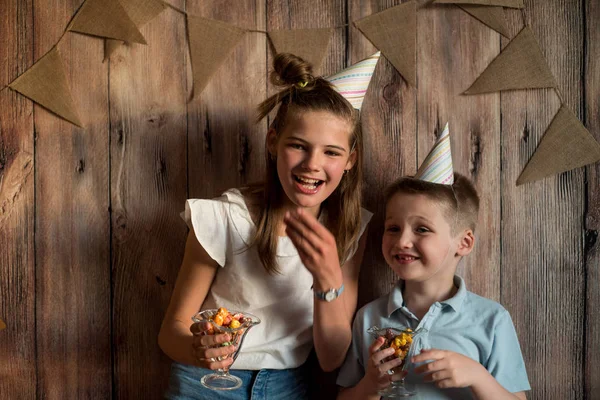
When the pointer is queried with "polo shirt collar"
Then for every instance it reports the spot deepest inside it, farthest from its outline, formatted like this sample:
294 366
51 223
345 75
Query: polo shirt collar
396 301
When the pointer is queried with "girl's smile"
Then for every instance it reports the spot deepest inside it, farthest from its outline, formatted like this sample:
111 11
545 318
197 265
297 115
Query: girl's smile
312 152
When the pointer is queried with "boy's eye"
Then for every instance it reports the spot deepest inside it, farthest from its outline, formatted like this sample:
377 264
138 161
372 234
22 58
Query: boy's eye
422 229
296 146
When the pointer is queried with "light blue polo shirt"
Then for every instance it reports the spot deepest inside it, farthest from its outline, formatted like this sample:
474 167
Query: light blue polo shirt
466 323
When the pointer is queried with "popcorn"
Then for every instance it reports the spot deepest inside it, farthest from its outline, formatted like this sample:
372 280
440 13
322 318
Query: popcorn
227 320
400 343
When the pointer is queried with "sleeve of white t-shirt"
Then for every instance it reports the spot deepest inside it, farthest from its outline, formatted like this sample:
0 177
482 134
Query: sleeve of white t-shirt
506 363
209 221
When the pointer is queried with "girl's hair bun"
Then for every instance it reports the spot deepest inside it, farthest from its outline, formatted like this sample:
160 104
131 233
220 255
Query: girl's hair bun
291 70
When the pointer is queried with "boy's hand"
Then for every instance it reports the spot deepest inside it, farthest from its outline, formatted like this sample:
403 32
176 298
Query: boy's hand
316 247
376 375
448 369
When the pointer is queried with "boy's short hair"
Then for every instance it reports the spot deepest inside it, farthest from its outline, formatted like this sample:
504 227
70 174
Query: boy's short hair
460 200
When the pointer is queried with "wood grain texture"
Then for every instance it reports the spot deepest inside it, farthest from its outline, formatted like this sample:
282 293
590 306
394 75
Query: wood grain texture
454 49
542 276
226 146
17 208
148 168
591 224
72 225
388 116
90 236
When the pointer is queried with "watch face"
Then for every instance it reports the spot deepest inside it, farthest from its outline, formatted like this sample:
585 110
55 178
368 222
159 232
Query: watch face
329 296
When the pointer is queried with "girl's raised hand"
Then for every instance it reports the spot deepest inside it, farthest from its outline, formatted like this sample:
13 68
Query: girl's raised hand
316 247
448 369
376 375
206 347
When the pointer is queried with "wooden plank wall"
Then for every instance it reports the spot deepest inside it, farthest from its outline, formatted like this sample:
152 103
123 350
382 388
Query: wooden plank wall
91 240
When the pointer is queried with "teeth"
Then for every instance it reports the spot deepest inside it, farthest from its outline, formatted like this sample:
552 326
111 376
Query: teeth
307 180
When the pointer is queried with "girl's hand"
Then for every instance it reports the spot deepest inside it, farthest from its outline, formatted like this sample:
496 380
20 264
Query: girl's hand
316 247
448 369
376 375
207 348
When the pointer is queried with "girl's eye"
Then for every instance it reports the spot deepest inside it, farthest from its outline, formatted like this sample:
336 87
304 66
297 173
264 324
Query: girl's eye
296 146
392 229
332 153
422 229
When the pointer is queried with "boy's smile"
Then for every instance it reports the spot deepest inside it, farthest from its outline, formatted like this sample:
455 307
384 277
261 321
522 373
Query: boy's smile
418 243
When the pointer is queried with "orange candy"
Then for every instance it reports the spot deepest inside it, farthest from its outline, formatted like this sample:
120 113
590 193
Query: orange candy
224 318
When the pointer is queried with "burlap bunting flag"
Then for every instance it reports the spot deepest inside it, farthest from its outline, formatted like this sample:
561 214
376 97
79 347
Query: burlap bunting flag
310 44
521 65
393 31
566 145
502 3
491 16
210 43
46 84
140 12
106 18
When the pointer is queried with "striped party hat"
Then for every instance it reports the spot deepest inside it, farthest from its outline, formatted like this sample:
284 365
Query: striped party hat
437 167
352 82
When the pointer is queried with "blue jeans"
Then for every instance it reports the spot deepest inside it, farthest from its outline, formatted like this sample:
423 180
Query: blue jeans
264 384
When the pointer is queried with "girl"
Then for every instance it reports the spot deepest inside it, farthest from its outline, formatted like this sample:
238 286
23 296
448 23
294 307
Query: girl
287 251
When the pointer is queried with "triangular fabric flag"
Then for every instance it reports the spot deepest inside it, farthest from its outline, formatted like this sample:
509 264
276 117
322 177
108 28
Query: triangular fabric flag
309 44
566 145
140 12
491 16
521 65
437 167
501 3
105 18
2 325
353 82
394 32
210 43
46 84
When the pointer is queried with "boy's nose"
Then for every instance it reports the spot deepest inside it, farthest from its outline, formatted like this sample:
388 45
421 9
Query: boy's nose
405 240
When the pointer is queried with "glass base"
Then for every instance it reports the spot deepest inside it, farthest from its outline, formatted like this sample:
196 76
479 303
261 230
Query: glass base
393 392
221 382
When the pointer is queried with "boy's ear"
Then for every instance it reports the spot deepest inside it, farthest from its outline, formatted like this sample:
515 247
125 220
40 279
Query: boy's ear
272 142
466 243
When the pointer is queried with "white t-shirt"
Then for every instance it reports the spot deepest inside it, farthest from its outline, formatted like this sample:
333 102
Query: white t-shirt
283 302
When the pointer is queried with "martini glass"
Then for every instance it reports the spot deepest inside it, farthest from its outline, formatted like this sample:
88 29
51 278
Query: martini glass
401 340
222 379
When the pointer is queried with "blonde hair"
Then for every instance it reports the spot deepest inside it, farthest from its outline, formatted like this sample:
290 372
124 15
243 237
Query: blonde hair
460 200
303 92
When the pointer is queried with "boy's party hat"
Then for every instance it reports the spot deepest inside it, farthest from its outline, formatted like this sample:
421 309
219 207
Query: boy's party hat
437 167
352 82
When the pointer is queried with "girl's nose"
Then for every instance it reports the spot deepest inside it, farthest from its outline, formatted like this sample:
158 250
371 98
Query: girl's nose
311 162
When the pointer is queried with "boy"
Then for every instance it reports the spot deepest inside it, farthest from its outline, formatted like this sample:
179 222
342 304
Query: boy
468 347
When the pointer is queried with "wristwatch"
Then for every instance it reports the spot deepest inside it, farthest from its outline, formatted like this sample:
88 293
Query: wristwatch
329 295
